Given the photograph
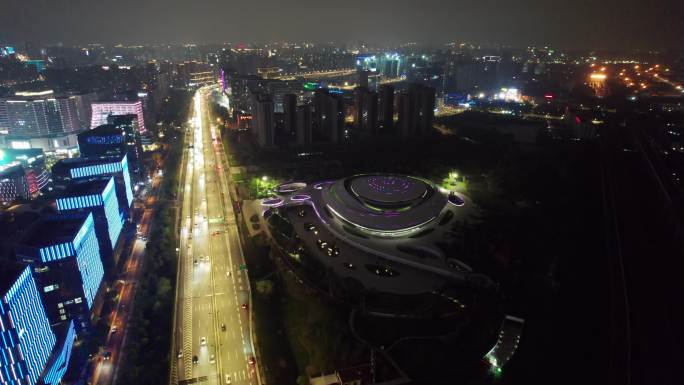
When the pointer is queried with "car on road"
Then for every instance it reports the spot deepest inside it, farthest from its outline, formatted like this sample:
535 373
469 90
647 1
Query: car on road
203 341
107 355
227 379
194 262
212 359
223 327
244 306
195 360
180 353
302 213
333 250
251 361
321 244
113 330
310 227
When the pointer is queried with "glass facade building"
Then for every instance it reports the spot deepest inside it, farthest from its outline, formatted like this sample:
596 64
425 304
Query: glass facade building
102 110
67 170
26 341
59 361
98 196
65 255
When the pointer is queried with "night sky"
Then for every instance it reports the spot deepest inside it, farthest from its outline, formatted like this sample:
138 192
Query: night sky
600 24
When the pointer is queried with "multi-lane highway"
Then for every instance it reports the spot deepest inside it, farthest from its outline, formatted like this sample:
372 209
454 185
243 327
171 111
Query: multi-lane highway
211 341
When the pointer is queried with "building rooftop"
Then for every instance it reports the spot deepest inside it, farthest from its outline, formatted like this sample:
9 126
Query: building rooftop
9 272
385 203
53 229
382 225
88 187
103 129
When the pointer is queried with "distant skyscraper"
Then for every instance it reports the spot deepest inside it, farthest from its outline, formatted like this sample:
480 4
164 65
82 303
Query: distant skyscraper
304 122
263 119
363 78
64 253
416 111
366 106
279 89
27 340
329 117
290 108
387 106
102 110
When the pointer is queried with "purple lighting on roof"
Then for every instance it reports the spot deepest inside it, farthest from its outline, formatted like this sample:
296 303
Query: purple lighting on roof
389 185
272 202
301 197
456 200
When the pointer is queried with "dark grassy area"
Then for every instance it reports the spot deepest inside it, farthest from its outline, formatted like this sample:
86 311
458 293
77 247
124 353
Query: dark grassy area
271 338
318 331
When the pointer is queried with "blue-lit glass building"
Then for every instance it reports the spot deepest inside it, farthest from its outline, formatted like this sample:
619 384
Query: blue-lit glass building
59 361
67 170
121 135
65 256
26 341
99 197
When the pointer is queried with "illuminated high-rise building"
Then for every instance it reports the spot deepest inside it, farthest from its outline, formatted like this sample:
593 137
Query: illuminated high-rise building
27 340
120 136
67 170
64 254
97 196
102 110
61 354
44 120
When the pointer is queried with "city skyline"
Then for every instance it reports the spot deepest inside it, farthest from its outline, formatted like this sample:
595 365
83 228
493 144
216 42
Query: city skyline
627 25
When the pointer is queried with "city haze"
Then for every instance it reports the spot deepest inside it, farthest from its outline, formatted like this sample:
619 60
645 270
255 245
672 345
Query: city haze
563 24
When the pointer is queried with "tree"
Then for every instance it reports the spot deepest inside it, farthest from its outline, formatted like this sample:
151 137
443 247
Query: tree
264 287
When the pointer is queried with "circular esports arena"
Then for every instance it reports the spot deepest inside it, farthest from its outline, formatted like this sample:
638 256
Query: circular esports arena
391 247
385 204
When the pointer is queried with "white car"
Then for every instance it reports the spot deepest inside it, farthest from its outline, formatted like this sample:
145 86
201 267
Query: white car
227 379
212 359
203 341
